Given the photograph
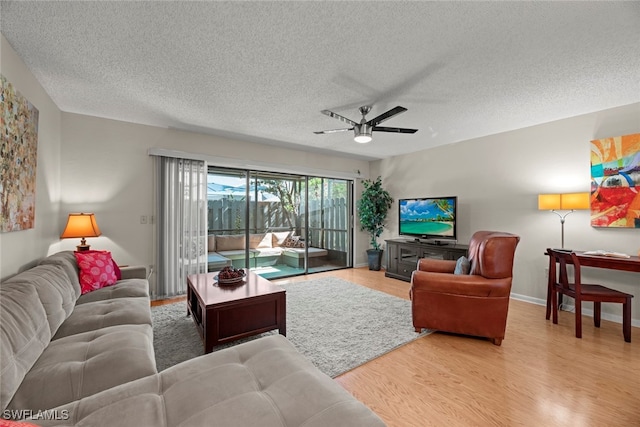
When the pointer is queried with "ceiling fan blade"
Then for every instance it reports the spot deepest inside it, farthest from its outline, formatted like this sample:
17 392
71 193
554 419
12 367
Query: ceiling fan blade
339 117
332 131
395 130
386 116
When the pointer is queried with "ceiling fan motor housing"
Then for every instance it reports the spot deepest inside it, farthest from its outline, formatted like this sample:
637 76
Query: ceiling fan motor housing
362 132
364 129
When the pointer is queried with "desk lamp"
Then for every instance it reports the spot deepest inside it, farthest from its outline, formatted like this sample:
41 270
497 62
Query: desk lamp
81 225
567 201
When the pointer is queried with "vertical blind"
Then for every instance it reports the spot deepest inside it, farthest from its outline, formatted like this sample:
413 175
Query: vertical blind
182 224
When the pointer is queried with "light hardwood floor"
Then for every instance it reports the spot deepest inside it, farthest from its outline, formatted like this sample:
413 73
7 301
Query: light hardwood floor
541 375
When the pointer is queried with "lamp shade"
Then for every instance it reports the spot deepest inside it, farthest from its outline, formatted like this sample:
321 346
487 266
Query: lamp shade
81 225
567 201
547 202
575 201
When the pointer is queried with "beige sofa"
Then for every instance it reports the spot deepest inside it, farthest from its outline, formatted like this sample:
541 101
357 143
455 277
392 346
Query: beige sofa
72 360
264 249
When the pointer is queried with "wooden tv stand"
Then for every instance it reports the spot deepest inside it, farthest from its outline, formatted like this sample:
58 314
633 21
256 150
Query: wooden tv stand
403 255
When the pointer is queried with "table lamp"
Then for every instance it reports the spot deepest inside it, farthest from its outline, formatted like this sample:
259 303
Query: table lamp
567 201
81 225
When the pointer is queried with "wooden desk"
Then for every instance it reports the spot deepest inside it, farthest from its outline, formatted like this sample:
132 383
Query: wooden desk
612 263
598 261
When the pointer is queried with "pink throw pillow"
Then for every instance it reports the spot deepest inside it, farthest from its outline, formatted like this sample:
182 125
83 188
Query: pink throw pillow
9 423
96 270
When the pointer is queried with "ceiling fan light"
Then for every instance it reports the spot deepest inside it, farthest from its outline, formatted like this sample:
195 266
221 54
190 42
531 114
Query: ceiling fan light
362 133
362 139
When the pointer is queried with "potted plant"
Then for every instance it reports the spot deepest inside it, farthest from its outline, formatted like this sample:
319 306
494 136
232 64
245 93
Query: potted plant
373 206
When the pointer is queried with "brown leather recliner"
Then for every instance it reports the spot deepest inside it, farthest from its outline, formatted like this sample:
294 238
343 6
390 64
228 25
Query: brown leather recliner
471 304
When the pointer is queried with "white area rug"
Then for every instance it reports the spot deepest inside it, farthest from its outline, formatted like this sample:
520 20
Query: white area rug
337 324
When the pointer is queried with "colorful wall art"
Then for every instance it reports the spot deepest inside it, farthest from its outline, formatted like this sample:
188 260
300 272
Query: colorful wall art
615 181
19 126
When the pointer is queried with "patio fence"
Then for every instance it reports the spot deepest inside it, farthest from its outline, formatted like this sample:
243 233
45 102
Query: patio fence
328 220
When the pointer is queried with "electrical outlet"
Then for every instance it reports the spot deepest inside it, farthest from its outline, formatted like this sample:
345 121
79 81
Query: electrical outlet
143 219
152 219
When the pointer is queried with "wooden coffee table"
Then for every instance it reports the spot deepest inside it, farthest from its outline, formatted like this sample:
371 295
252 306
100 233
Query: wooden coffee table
227 313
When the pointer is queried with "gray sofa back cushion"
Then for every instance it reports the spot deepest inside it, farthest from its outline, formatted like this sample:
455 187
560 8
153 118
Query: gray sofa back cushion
55 290
24 334
68 262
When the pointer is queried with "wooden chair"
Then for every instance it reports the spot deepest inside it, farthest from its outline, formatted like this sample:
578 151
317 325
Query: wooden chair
560 285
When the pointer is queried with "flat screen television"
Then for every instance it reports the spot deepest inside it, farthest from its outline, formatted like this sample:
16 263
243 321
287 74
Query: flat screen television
431 218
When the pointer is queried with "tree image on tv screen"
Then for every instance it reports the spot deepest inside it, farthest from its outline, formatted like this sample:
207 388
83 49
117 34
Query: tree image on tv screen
447 209
428 217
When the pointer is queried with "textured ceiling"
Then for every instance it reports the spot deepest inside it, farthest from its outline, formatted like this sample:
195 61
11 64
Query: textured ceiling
262 71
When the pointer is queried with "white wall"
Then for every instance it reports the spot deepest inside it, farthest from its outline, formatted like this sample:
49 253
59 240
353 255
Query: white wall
19 250
106 170
497 179
92 164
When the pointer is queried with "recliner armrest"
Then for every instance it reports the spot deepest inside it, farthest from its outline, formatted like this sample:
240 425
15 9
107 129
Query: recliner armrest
460 284
436 265
134 272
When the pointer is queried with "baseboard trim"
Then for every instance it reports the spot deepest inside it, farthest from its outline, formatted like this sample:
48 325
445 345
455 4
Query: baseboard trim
571 308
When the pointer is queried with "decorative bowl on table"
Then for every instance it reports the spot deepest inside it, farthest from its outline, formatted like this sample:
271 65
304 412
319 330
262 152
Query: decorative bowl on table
230 276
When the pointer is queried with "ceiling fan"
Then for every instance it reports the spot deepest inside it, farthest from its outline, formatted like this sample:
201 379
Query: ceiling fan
364 129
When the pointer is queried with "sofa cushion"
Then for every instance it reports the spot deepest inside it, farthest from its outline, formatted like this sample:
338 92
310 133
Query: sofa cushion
96 270
215 261
125 288
265 382
293 242
267 252
100 314
24 334
56 292
211 243
462 265
133 272
237 254
230 243
299 252
68 262
278 237
81 365
260 241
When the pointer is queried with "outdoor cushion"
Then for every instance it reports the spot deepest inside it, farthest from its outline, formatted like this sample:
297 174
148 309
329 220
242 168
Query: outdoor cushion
84 364
123 289
299 252
237 254
260 240
279 237
265 252
264 382
215 261
230 243
100 314
24 333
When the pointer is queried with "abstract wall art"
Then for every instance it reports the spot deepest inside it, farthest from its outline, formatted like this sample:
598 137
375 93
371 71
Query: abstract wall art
615 181
18 156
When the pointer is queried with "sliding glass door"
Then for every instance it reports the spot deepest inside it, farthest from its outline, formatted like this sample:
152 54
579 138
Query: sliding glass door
329 223
278 224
